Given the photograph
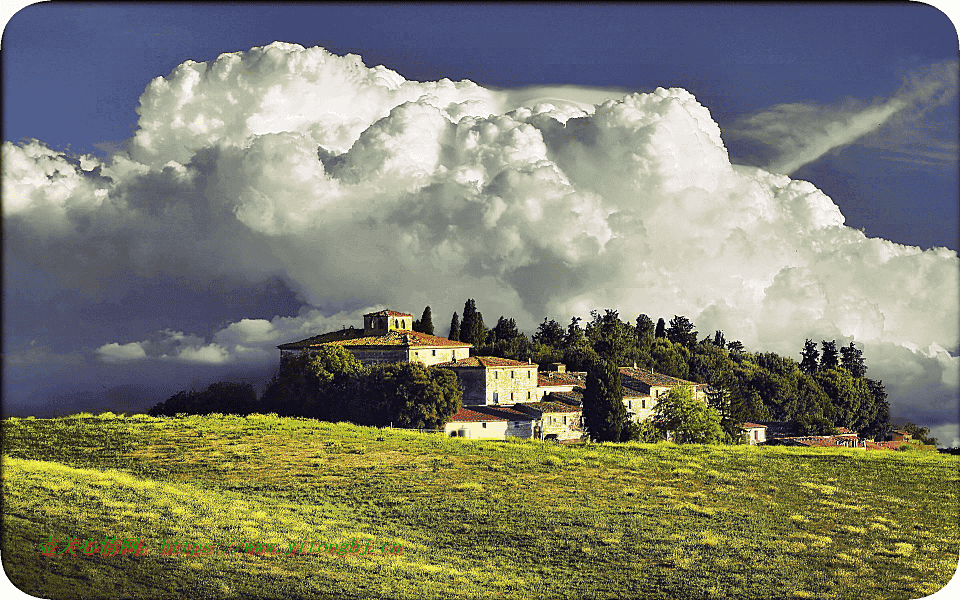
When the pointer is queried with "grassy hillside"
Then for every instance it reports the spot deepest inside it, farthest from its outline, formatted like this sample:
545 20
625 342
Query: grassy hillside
475 519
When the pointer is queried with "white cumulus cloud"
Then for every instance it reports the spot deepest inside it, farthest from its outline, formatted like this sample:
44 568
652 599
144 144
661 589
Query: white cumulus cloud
360 188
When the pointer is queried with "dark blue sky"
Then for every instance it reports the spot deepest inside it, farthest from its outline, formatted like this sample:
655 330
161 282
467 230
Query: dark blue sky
73 73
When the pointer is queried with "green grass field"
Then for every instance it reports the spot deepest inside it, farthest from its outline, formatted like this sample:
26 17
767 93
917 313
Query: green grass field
475 519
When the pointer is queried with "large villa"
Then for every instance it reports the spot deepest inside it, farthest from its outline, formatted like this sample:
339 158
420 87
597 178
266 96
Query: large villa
501 397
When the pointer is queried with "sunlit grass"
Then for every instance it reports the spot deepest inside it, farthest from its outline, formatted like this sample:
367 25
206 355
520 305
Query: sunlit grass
476 518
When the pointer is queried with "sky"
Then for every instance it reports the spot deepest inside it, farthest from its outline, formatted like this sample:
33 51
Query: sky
185 186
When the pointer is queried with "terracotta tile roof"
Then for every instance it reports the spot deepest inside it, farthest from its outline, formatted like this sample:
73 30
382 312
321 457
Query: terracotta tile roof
466 415
548 407
355 337
508 413
885 445
390 313
485 362
754 425
818 441
644 378
553 378
575 397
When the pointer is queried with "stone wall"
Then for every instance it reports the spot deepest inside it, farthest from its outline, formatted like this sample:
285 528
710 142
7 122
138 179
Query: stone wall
521 382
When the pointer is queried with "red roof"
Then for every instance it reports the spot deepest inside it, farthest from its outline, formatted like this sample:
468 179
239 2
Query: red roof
885 445
553 378
754 425
548 407
485 362
391 313
507 412
355 337
465 415
647 377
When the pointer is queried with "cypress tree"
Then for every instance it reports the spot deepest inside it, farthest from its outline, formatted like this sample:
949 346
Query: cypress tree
454 328
425 322
810 356
829 357
661 331
467 321
603 411
851 359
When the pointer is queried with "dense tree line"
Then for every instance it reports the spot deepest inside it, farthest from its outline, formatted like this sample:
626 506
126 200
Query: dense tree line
221 397
332 385
827 388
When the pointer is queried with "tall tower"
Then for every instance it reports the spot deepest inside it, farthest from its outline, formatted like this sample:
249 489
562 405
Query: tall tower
385 321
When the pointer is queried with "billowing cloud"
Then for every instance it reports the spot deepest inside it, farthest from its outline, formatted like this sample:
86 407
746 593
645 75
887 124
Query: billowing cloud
117 353
251 342
361 189
789 136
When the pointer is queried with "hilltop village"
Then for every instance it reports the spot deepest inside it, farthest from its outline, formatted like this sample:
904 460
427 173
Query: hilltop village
506 398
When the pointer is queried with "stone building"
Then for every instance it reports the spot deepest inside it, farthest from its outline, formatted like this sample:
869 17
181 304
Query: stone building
386 337
491 380
477 425
642 389
555 420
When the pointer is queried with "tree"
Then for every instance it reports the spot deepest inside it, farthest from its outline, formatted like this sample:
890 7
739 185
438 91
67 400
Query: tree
661 329
328 361
468 318
454 328
604 414
681 332
851 398
851 359
879 426
221 397
311 384
580 356
690 420
718 339
920 434
810 355
669 358
549 333
736 347
416 396
505 329
425 323
609 336
644 330
472 329
644 431
575 336
829 357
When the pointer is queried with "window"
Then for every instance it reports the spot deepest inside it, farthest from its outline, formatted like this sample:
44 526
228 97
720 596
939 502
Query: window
496 375
629 405
564 420
511 374
434 353
484 425
529 374
496 398
643 403
528 395
511 395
